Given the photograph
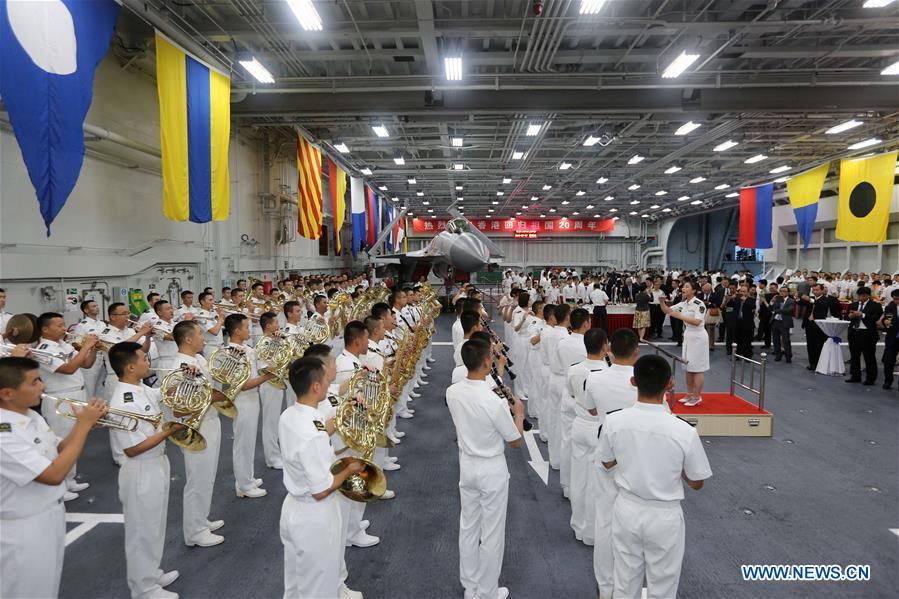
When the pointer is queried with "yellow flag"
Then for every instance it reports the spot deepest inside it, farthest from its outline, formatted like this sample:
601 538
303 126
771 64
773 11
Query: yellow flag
866 189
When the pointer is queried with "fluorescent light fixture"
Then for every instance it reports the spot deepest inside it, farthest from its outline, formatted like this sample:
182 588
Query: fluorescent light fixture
426 203
877 3
679 65
460 199
488 216
552 209
644 216
565 202
400 160
781 180
453 66
696 202
654 207
575 213
580 193
591 141
687 127
615 218
683 198
633 213
458 166
661 192
591 7
411 181
365 171
589 207
535 199
613 210
564 166
255 68
697 179
420 193
666 209
506 180
430 210
864 144
342 148
602 180
634 187
382 187
723 147
534 129
780 169
457 142
756 158
517 155
597 215
524 206
636 159
634 202
410 213
672 169
500 193
609 198
893 69
380 130
518 214
542 216
733 194
547 187
490 210
458 188
306 14
844 127
722 186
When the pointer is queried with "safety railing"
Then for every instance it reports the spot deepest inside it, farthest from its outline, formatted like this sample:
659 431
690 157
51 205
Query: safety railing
752 366
661 351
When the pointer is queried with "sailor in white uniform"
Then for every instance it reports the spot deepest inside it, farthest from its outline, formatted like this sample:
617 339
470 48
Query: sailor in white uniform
556 385
311 519
651 453
33 467
272 399
571 351
144 475
212 322
534 361
90 325
696 348
483 428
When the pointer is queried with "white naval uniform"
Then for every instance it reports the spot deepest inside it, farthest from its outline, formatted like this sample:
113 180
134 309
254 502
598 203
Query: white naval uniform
32 516
533 374
5 317
93 376
255 307
652 447
554 390
522 352
143 490
213 341
571 352
483 427
200 467
246 424
347 364
584 430
458 333
272 400
604 392
113 336
461 372
310 529
165 348
696 339
60 385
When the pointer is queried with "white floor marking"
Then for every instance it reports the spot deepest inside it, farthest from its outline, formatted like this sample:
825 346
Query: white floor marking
536 462
88 522
895 531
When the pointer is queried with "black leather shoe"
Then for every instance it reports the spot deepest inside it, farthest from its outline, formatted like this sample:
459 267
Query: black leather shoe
789 360
868 383
777 358
810 367
888 385
853 380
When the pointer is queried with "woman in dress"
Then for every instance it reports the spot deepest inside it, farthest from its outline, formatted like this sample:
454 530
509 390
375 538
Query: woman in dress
641 313
691 311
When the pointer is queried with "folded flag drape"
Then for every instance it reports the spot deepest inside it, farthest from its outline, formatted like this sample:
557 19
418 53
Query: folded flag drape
309 189
337 184
804 191
756 205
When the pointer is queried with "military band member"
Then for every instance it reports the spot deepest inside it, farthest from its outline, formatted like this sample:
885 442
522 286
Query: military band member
34 463
63 377
255 307
91 325
483 426
118 331
571 351
272 400
212 322
200 467
144 475
695 352
556 384
375 358
311 520
293 317
149 313
4 315
247 420
162 330
187 306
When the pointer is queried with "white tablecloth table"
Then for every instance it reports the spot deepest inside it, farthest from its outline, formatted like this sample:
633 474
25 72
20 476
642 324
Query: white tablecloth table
831 360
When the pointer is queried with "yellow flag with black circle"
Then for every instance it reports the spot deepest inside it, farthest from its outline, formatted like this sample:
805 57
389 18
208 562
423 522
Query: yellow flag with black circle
866 189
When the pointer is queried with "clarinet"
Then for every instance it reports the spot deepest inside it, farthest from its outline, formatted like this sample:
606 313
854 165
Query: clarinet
505 348
503 392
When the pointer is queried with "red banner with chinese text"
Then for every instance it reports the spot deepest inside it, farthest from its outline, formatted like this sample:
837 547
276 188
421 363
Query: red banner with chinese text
521 227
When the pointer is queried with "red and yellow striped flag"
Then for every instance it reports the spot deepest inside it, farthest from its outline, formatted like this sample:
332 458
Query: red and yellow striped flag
309 189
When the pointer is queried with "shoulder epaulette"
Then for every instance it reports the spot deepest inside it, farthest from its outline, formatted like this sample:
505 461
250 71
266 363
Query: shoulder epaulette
685 420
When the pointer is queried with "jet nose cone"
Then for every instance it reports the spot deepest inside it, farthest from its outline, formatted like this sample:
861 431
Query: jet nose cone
469 253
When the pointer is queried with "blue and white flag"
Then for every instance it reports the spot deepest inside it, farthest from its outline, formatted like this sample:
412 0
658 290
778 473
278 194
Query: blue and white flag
357 209
49 52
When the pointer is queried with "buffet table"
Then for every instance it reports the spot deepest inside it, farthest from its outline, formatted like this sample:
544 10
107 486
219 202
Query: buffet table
831 360
619 316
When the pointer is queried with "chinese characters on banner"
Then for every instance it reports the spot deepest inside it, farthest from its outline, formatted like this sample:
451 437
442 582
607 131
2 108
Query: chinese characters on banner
513 226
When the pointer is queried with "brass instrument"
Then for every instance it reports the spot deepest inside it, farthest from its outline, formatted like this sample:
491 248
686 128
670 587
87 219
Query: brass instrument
102 345
228 309
360 419
22 328
189 396
279 353
230 367
114 418
158 332
40 356
316 330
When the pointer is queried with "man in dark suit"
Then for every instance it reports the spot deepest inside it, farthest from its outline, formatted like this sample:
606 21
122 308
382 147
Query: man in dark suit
782 306
729 317
890 322
744 323
824 306
863 317
765 295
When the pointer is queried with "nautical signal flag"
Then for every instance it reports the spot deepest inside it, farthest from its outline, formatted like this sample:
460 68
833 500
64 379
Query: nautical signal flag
49 52
866 190
194 127
804 191
337 184
309 189
357 209
755 216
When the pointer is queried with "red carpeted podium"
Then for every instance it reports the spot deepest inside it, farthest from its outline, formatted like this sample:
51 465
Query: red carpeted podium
726 415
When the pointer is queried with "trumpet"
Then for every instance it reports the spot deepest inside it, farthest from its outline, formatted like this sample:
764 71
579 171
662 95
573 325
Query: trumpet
42 357
233 309
77 341
114 418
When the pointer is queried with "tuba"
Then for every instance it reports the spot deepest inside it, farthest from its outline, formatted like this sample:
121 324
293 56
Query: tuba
230 367
278 352
360 420
189 396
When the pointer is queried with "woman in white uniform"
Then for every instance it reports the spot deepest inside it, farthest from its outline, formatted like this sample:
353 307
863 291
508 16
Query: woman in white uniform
696 345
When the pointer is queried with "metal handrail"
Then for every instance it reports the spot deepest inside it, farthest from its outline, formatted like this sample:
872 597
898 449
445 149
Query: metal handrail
674 360
734 383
